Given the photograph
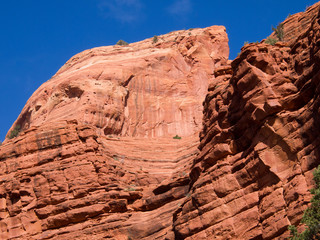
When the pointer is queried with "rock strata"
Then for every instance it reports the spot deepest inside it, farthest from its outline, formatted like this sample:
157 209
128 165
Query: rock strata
96 157
259 144
145 89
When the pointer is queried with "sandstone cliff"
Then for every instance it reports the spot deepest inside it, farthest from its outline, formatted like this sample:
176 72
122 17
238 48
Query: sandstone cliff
260 140
96 158
146 89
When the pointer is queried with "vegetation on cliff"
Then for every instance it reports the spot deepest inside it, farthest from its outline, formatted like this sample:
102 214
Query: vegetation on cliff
15 132
311 217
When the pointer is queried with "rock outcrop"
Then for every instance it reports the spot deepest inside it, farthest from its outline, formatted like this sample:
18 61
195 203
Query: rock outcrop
297 24
96 158
146 89
259 143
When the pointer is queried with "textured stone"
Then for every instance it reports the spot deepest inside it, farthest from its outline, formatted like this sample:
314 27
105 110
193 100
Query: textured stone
259 142
96 158
144 89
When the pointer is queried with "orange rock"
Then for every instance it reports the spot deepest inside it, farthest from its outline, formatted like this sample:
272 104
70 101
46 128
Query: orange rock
143 89
259 141
96 155
96 158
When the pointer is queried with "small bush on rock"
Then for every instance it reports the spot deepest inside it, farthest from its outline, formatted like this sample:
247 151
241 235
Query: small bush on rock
279 31
176 137
122 43
271 41
155 39
15 132
311 216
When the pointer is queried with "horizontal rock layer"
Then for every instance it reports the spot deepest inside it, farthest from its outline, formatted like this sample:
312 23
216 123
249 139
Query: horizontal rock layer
96 157
116 172
259 144
61 181
146 89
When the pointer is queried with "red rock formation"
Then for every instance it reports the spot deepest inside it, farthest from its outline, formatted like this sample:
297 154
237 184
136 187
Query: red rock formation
96 156
144 89
259 143
117 173
297 24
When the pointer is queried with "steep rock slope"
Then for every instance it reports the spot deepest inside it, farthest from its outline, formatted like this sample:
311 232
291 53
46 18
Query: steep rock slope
260 141
299 23
96 156
146 89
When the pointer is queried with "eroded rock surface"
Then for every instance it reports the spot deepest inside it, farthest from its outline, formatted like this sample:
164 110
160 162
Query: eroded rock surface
259 144
96 158
298 24
144 89
63 181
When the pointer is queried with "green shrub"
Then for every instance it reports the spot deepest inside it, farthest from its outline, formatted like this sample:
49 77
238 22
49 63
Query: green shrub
311 216
122 43
155 39
245 43
279 31
15 132
176 137
271 41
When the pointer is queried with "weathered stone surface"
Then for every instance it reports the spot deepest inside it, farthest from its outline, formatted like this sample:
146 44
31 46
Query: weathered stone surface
64 180
259 143
298 24
116 172
96 156
144 89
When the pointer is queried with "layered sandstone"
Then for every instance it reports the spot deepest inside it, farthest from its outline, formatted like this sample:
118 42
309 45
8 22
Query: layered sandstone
147 89
259 143
64 181
96 156
298 24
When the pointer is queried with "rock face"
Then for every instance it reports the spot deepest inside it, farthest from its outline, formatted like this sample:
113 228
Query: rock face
298 24
96 158
259 143
64 181
146 89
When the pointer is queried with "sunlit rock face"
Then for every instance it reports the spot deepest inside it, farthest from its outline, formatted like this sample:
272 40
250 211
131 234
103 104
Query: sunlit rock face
260 140
95 157
145 89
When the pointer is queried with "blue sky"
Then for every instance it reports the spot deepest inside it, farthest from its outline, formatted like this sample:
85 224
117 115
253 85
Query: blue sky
39 36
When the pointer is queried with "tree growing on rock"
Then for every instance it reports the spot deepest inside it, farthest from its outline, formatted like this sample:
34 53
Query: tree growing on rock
15 132
311 216
279 32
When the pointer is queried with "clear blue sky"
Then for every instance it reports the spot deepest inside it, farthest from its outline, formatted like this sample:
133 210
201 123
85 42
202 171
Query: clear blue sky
39 36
